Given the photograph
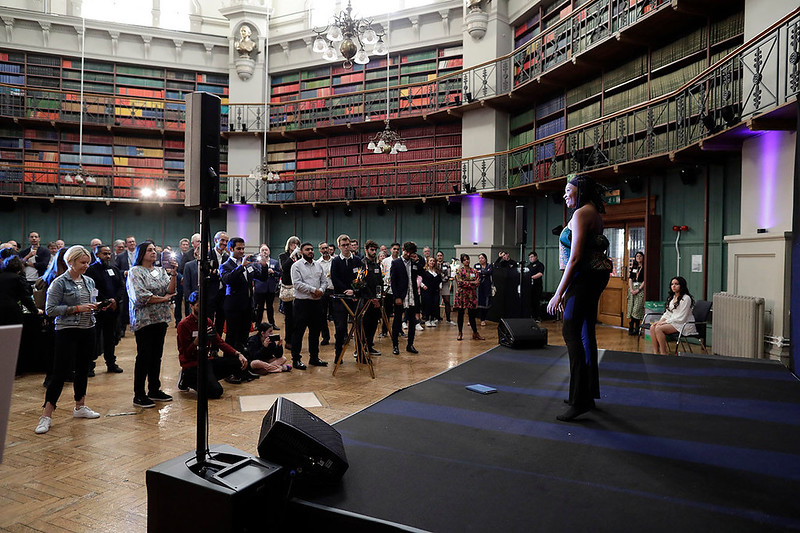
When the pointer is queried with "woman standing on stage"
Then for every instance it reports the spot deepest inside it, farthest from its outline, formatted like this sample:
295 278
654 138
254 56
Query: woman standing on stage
586 268
150 289
467 297
70 300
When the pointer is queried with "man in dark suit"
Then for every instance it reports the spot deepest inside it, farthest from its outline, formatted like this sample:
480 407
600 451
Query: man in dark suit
191 275
238 273
216 289
124 262
403 274
110 287
344 268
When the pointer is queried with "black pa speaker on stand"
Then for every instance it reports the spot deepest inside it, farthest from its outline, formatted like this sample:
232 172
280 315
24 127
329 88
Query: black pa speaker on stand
214 488
521 333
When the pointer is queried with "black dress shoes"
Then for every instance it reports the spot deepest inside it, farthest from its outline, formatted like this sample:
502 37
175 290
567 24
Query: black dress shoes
114 369
395 350
373 351
324 342
411 349
299 365
318 362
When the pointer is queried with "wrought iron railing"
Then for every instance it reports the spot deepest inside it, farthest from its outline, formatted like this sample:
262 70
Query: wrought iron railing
98 110
34 180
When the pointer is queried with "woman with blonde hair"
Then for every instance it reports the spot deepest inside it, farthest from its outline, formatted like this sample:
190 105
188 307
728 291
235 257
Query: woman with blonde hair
70 300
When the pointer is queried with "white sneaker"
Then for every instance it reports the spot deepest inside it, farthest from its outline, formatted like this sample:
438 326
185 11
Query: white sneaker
44 425
419 327
428 324
405 325
450 322
84 412
434 323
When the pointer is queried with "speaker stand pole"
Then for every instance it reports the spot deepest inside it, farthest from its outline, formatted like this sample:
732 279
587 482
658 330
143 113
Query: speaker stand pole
204 268
521 275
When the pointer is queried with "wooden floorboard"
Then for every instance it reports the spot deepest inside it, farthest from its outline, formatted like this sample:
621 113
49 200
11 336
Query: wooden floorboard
89 475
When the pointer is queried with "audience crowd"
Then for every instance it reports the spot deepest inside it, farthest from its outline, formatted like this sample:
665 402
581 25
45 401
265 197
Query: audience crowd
79 302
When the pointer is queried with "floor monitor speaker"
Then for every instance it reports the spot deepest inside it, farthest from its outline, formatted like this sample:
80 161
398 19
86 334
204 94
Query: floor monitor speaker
201 155
521 333
301 442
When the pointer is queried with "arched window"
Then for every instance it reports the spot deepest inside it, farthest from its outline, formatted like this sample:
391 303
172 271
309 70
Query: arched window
175 14
139 13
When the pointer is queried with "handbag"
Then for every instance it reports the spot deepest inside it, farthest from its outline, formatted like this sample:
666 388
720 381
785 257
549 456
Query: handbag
286 293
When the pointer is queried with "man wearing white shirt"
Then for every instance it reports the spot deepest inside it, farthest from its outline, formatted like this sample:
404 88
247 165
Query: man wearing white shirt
309 282
325 262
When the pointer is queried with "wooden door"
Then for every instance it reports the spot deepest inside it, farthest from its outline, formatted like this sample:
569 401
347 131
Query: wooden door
630 227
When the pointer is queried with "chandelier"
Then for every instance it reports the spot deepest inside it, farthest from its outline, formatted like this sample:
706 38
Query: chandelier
81 176
349 38
263 172
388 141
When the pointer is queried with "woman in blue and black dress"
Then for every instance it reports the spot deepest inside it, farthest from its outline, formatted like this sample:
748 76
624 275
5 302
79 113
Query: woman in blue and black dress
583 247
485 270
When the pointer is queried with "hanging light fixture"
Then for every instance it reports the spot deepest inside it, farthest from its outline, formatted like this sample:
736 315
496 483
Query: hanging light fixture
262 171
81 176
388 141
349 38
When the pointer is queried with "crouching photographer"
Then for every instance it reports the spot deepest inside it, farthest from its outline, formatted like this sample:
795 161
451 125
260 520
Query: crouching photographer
265 350
231 365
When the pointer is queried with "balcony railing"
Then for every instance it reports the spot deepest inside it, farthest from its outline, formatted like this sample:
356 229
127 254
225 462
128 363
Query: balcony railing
98 110
34 180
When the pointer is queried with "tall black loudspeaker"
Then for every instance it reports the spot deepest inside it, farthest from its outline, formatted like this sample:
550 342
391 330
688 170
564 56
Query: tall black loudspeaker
521 333
298 440
521 233
201 155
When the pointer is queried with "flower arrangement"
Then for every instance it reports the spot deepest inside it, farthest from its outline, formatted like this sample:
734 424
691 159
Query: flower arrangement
361 279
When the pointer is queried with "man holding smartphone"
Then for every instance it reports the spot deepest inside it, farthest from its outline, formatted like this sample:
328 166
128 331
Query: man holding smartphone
110 292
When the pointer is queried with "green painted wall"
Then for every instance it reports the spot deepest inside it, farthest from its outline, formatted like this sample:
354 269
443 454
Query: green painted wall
678 204
79 222
430 224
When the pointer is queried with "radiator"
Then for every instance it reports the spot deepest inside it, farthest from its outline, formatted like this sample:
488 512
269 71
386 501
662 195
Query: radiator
738 325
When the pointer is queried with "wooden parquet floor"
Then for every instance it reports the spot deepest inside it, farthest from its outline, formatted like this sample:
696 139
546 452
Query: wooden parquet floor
89 475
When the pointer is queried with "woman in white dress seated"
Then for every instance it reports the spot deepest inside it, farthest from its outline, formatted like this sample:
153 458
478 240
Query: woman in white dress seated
677 313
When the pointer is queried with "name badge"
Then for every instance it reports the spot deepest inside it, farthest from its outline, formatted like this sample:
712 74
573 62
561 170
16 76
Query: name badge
377 270
155 273
94 294
250 269
194 333
110 272
355 271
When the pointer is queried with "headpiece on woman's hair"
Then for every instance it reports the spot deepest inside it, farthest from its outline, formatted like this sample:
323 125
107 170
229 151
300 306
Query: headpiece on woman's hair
589 191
